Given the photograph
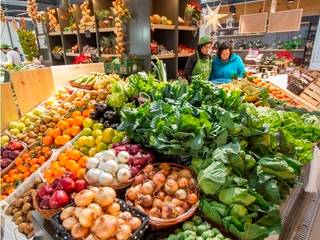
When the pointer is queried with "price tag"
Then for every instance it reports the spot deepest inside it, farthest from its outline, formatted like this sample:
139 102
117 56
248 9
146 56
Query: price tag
87 34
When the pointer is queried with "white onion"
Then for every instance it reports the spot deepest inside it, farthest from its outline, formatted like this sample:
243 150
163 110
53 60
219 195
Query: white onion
110 166
123 157
105 179
93 174
123 175
92 163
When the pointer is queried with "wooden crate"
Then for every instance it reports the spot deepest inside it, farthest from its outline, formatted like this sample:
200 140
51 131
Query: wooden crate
63 74
312 93
32 87
9 111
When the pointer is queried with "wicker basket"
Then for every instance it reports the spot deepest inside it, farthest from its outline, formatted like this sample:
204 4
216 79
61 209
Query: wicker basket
63 234
114 186
46 213
158 223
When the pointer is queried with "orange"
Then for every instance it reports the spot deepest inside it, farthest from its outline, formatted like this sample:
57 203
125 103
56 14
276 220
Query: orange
70 121
74 154
63 159
41 159
60 171
76 114
37 149
80 173
79 103
75 130
34 167
54 133
25 155
78 121
26 174
33 161
67 131
63 124
48 140
19 161
75 167
48 173
83 160
70 164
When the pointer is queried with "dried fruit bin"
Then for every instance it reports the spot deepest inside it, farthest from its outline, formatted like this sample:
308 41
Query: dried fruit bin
63 234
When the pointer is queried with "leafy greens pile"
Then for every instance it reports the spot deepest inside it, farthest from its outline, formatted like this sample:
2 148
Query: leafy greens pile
246 158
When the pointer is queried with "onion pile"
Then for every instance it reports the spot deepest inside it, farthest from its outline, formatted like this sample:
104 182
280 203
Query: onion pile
97 215
165 192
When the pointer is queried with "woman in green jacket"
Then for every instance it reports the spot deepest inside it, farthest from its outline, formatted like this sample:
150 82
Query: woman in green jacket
200 62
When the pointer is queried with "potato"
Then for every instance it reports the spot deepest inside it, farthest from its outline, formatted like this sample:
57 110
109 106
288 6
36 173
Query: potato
28 228
26 208
18 203
16 215
30 235
27 199
37 181
9 210
29 216
21 227
19 220
14 210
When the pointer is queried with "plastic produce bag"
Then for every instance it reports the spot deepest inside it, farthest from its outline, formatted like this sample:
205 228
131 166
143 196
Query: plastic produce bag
314 174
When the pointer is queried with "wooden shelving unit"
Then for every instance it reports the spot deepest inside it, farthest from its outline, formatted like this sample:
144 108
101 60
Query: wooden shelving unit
240 35
182 55
139 41
271 50
163 56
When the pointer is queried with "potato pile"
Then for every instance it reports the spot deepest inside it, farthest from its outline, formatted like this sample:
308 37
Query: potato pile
21 209
53 23
120 10
86 20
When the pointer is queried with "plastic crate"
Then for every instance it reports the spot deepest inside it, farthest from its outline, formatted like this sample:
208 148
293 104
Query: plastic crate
125 67
62 234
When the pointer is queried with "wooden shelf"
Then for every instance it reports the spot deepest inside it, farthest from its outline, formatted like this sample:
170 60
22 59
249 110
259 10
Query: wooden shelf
110 29
187 28
108 55
241 35
185 54
162 26
54 33
92 30
163 56
70 54
232 28
69 33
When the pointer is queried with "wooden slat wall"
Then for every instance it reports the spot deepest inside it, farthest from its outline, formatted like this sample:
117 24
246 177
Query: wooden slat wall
61 75
32 87
9 111
310 7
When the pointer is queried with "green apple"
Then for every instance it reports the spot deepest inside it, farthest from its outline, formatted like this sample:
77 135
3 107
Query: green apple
82 141
4 139
107 135
85 150
76 145
14 131
13 124
102 146
86 132
96 133
87 123
92 152
98 126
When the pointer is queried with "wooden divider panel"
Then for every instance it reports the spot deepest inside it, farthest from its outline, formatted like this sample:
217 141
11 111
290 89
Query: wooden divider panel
9 111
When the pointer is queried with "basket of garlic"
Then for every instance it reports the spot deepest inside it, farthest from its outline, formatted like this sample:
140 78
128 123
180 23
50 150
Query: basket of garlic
98 214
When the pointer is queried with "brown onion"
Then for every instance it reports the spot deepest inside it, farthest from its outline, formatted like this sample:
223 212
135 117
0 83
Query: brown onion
124 232
159 179
121 221
183 182
157 203
79 232
96 208
126 216
155 212
185 173
177 211
186 206
86 217
192 198
132 193
84 198
77 211
171 186
138 179
146 201
66 213
161 195
165 172
147 188
105 196
167 211
69 222
164 166
94 189
106 226
113 208
148 169
134 223
181 194
177 202
167 198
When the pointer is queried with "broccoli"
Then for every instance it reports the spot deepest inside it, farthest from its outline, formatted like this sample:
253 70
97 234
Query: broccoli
197 220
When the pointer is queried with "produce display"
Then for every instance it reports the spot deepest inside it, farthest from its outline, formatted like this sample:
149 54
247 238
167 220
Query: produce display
87 21
73 49
115 167
53 22
24 166
108 44
105 18
32 9
164 192
198 229
98 215
159 49
10 150
298 81
57 50
21 210
156 19
170 148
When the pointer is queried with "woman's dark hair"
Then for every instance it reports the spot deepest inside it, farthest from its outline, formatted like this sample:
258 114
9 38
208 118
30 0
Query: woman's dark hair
223 46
